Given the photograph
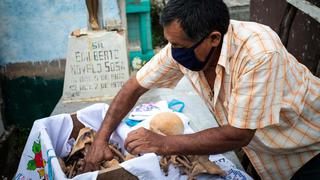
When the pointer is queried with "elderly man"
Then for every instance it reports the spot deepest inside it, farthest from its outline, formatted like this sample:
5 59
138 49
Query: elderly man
265 101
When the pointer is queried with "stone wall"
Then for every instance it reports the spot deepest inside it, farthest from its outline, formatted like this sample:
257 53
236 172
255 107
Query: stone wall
304 39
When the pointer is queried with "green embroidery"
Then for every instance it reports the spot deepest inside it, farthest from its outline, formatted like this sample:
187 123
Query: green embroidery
37 163
36 148
32 165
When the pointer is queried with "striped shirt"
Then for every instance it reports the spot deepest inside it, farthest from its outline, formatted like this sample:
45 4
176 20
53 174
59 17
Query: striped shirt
258 85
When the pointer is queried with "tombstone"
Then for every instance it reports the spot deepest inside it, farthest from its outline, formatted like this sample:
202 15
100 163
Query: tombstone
97 62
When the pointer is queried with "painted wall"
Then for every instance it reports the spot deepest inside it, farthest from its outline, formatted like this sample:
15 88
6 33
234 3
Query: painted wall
37 30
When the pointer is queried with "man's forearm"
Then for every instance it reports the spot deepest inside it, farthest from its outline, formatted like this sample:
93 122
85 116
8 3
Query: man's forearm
119 108
210 141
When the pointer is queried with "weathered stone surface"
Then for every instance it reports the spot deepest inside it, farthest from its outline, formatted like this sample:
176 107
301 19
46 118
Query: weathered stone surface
239 9
96 67
51 69
303 40
1 109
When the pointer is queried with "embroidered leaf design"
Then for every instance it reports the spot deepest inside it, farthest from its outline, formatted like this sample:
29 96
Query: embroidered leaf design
31 165
41 172
36 148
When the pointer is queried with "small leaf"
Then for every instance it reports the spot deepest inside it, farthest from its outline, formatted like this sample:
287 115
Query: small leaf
31 165
41 172
36 148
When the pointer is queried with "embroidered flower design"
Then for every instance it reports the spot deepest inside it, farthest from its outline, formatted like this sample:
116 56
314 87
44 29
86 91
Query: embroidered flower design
37 163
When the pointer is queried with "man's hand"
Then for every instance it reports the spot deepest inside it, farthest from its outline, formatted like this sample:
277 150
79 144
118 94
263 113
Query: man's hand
117 110
145 141
98 152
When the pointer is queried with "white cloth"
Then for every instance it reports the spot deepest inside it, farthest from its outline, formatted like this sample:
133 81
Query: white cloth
147 166
92 116
47 140
53 134
146 110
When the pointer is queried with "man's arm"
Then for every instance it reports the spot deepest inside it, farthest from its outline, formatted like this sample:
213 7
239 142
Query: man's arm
119 108
210 141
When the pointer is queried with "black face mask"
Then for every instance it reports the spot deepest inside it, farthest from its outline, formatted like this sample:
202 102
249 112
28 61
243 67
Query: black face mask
187 57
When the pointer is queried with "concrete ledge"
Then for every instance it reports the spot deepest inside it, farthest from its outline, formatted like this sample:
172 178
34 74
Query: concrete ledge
239 9
307 7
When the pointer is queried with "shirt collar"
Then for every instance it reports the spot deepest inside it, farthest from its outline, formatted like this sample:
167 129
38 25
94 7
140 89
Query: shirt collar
226 50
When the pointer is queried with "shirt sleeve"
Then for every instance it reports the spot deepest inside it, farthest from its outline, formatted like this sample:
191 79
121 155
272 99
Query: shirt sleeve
256 96
160 72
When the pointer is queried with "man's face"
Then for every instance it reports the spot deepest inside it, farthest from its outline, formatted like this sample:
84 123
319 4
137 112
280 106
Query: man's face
178 39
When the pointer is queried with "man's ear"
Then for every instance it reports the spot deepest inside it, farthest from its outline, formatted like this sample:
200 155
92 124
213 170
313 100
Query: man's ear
215 38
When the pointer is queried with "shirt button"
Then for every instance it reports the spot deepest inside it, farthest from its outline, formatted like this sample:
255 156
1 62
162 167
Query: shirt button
225 104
